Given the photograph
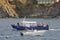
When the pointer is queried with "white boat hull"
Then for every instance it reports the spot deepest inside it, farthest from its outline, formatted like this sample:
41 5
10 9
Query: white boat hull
34 32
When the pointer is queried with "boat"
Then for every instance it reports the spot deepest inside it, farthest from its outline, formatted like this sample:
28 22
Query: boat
33 32
31 27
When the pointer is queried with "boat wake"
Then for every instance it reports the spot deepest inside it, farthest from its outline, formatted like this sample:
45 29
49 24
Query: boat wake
8 36
54 29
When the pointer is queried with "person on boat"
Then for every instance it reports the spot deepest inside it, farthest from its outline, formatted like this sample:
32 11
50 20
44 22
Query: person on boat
40 25
17 24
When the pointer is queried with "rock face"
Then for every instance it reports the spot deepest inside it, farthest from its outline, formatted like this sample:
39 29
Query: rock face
3 13
54 10
21 8
23 1
47 12
8 8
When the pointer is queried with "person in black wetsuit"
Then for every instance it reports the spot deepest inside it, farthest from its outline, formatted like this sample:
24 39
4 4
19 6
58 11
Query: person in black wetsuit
21 34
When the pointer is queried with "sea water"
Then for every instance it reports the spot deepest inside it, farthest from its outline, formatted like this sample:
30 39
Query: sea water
8 33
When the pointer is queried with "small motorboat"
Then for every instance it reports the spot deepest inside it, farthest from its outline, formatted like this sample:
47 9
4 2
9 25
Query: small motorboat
33 32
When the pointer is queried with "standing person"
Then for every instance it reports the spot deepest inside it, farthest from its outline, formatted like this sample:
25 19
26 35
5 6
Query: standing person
17 24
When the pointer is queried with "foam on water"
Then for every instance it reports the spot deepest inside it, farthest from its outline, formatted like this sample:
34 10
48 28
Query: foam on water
54 29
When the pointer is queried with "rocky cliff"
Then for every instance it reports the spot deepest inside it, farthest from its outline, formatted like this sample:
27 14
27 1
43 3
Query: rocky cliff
16 8
29 8
8 8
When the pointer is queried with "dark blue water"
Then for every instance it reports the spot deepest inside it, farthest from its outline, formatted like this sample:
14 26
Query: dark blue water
8 33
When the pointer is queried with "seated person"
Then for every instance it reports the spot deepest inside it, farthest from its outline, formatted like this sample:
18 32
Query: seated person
40 25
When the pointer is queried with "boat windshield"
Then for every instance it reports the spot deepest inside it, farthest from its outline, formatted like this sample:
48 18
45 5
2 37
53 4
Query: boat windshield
29 23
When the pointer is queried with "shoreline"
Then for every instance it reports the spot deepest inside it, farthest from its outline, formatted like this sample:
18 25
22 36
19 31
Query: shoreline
31 17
